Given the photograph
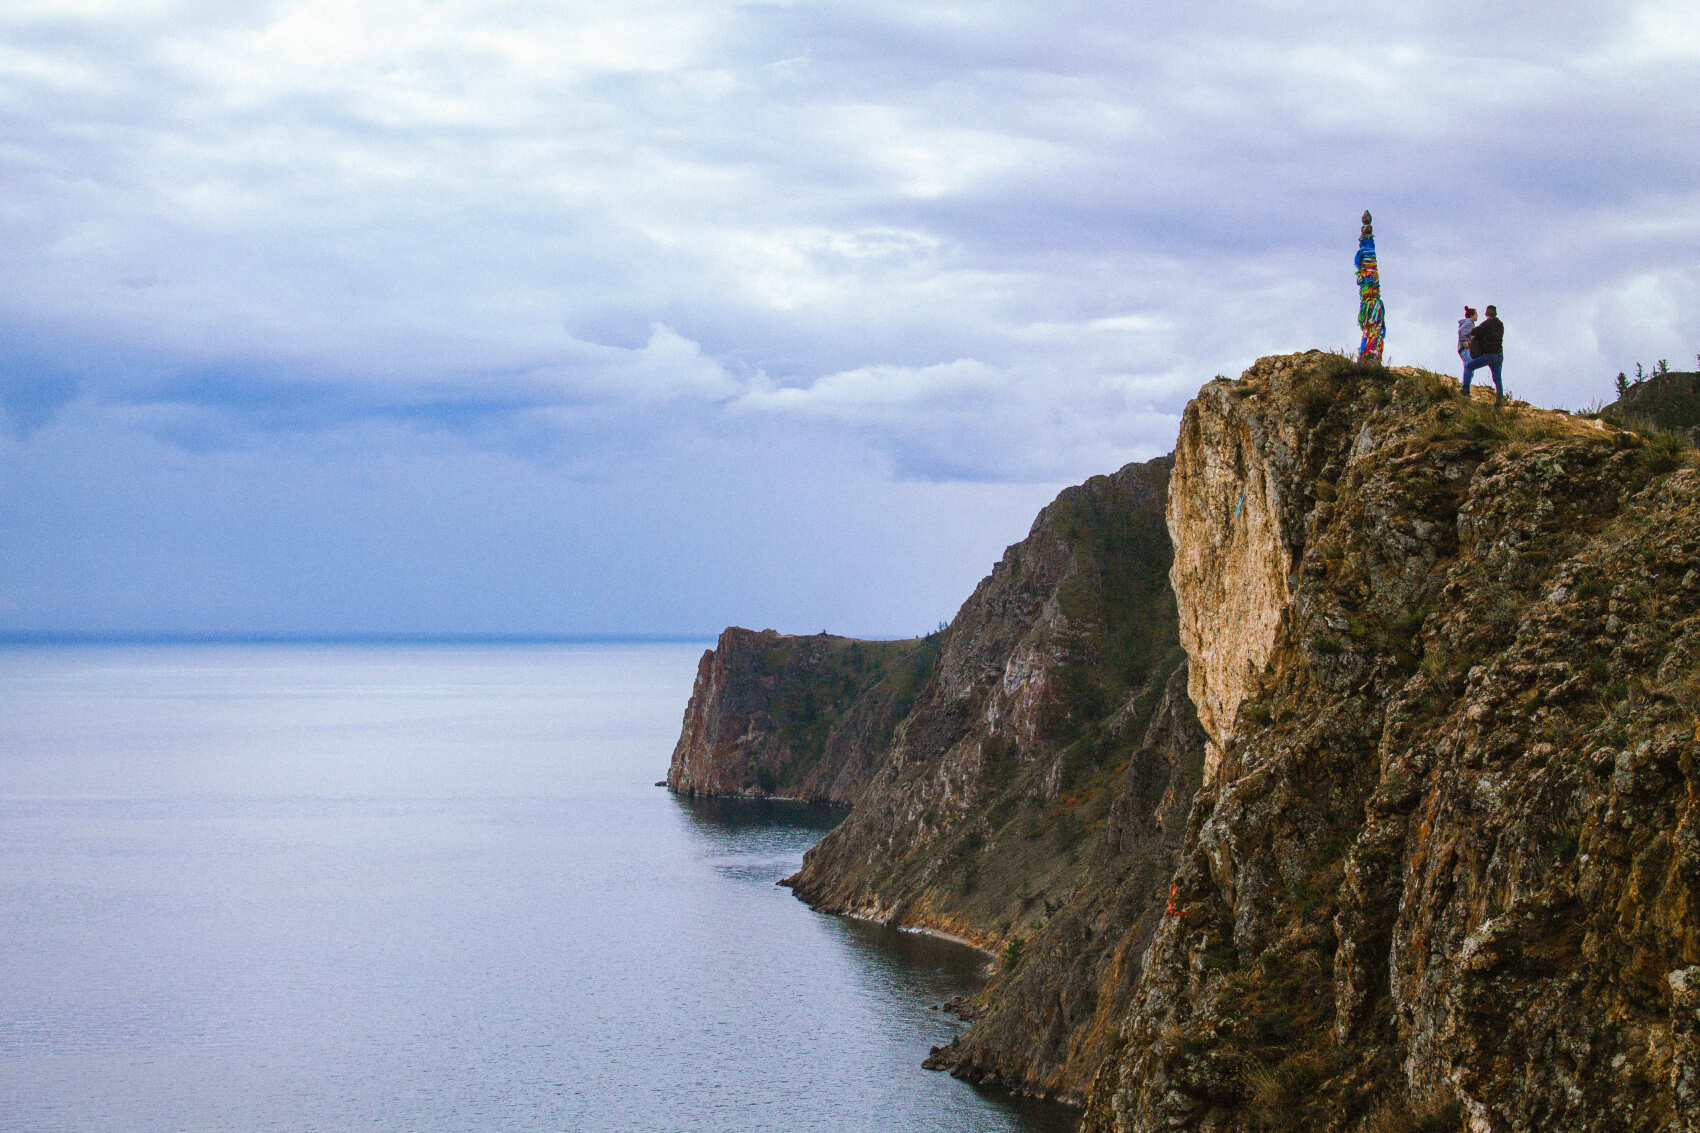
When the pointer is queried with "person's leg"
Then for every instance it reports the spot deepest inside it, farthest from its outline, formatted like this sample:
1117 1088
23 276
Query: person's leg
1471 367
1495 361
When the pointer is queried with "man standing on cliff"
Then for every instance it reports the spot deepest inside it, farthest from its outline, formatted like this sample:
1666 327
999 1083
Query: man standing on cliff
1487 348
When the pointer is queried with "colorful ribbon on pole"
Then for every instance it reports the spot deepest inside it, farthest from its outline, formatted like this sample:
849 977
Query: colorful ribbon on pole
1372 317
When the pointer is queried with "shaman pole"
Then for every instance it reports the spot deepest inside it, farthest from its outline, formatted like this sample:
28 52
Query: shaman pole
1372 317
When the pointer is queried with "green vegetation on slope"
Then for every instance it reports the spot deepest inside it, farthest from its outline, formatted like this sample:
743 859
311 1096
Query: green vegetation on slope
1666 403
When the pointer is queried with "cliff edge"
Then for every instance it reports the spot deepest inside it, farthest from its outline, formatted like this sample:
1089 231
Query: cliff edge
1341 774
1443 871
773 715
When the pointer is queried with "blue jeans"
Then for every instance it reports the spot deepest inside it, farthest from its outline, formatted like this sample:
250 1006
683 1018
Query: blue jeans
1493 362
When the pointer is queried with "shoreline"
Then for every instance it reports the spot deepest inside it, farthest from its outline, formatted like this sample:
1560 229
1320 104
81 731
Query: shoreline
915 929
941 934
743 798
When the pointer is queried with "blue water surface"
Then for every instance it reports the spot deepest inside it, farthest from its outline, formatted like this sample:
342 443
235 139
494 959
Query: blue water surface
426 887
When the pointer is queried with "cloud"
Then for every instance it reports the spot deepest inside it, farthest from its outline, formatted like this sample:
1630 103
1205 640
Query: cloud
541 408
939 245
402 190
668 367
966 420
884 395
32 390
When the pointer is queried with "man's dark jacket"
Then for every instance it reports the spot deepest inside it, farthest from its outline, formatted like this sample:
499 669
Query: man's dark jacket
1488 337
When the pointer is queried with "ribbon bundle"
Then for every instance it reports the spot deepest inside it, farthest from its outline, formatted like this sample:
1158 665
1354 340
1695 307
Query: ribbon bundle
1372 317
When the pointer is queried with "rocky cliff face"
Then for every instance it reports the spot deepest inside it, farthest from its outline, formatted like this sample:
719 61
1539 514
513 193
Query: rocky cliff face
1426 856
1234 562
1029 797
1033 799
1444 874
772 715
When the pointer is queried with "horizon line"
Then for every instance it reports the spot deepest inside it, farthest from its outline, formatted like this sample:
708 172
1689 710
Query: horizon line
289 637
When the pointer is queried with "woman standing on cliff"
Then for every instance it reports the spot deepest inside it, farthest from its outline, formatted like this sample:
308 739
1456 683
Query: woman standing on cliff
1466 327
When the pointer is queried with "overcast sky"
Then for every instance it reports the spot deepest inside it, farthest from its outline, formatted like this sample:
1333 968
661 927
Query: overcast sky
654 316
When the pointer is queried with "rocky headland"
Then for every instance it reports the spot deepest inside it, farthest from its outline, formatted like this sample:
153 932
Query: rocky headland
808 718
1340 774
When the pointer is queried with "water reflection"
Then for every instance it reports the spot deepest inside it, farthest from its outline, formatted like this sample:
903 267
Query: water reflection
938 966
733 820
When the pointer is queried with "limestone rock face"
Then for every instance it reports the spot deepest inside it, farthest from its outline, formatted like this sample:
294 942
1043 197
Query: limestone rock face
1446 872
1230 522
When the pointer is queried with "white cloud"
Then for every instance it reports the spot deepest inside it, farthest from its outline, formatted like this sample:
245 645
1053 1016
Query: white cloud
1654 34
969 420
887 395
669 367
993 243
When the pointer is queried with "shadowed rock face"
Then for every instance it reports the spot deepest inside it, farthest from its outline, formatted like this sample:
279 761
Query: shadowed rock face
1445 872
1031 795
1664 401
1033 800
772 715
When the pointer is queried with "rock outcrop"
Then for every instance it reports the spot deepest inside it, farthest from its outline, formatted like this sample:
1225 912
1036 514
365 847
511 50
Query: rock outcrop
1445 874
1425 856
1235 562
1032 797
777 716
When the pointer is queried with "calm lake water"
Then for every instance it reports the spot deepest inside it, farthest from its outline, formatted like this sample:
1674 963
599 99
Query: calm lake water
426 888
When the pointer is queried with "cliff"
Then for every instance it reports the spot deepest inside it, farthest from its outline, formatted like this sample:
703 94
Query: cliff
1025 788
1426 855
1443 870
773 715
1033 800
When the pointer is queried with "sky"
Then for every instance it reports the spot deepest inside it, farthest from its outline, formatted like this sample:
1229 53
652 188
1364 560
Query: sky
375 316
